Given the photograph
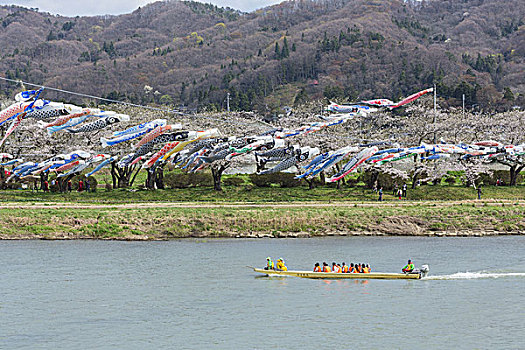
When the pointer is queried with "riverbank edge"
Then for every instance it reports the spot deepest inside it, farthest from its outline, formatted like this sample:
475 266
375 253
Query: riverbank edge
259 235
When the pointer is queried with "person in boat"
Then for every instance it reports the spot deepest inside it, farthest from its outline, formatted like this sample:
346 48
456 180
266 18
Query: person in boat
409 267
365 269
326 268
317 268
352 268
269 264
335 268
359 268
344 268
280 265
369 268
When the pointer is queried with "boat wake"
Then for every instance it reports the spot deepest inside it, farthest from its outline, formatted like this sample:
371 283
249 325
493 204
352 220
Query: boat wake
474 275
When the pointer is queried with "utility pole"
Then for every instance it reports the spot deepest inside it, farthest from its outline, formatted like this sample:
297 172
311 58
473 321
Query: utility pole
228 102
435 112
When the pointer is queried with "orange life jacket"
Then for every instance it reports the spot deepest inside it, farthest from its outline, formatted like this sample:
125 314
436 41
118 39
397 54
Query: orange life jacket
327 269
337 269
345 269
317 269
365 270
359 269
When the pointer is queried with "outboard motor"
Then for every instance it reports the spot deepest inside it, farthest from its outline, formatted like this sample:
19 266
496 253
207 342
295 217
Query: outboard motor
424 270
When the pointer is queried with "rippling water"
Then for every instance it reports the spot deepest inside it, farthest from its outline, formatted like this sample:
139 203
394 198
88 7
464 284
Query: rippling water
198 294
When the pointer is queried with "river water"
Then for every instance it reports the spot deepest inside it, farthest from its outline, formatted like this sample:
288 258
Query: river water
195 294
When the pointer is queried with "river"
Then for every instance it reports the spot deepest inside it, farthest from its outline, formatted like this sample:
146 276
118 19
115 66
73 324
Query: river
198 294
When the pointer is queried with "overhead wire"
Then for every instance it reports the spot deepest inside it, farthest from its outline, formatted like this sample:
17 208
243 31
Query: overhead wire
163 110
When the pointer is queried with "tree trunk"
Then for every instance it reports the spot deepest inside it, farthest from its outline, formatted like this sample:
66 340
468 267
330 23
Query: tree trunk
260 166
150 181
114 174
121 176
414 179
135 176
311 183
216 171
514 172
322 177
159 177
43 178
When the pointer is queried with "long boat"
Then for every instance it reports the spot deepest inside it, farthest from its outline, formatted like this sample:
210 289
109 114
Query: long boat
334 275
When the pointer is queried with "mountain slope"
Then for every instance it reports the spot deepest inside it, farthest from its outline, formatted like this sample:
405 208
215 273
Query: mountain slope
193 54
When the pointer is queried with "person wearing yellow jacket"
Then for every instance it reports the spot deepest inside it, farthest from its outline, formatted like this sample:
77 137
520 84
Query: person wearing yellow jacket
280 265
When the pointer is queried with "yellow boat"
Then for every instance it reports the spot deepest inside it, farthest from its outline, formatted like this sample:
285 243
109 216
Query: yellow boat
332 275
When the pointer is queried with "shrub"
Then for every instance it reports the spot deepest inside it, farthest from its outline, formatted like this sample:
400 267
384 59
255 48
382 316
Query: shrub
282 179
201 179
386 181
352 181
265 180
183 180
53 187
174 180
451 180
288 180
233 181
92 183
503 175
75 182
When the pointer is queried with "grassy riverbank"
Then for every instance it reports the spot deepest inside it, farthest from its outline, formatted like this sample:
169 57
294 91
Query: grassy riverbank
170 220
260 212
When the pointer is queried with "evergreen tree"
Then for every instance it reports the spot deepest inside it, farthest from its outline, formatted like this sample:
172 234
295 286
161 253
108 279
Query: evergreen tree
285 51
507 94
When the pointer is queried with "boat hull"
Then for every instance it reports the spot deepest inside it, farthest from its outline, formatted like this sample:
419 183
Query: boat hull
333 275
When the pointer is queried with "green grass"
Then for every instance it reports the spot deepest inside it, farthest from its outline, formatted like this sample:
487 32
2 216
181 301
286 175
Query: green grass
263 195
176 222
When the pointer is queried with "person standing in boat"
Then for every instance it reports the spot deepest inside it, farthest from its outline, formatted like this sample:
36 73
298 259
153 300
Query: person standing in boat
317 268
280 265
269 264
408 267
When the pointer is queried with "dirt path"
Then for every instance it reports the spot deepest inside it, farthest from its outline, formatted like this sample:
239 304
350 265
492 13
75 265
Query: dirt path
167 205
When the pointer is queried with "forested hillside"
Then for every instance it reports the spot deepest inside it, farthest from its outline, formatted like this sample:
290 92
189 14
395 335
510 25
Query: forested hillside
192 54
